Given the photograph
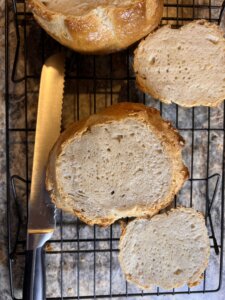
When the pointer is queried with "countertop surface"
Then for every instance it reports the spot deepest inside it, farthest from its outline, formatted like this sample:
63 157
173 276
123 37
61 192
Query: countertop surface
4 276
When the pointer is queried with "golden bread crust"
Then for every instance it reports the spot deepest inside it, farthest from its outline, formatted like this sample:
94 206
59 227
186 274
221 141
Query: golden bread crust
100 30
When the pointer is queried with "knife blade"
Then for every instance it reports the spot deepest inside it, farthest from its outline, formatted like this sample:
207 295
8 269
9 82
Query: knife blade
41 213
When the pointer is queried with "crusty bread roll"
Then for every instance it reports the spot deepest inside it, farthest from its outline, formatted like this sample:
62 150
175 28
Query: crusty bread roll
184 66
100 26
123 162
168 250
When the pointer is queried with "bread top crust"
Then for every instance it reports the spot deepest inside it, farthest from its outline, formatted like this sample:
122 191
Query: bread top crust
189 70
189 229
101 28
170 138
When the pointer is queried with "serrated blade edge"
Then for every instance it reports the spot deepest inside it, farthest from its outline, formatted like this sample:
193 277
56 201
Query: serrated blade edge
41 217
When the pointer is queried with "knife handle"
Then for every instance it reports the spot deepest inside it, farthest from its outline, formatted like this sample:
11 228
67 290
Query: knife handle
34 276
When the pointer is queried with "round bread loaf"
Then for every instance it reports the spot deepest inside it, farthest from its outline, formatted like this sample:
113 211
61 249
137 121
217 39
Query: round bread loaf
168 250
123 162
184 66
100 26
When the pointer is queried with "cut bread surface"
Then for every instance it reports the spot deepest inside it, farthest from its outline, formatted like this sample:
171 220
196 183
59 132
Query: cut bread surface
123 162
184 66
168 250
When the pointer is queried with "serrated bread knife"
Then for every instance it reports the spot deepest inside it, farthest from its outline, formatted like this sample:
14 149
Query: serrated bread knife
41 213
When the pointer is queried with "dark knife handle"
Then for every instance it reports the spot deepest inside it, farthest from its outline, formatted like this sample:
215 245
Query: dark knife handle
34 276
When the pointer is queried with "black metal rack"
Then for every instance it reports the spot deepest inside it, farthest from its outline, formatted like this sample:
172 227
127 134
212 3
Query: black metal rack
77 253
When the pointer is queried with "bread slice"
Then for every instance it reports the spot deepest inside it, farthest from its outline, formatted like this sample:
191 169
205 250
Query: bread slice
123 162
168 250
184 66
97 26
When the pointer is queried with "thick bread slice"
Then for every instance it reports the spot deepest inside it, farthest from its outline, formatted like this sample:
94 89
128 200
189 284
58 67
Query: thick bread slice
123 162
100 26
184 66
168 250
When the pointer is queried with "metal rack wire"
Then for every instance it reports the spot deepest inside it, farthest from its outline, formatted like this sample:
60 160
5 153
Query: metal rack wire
94 82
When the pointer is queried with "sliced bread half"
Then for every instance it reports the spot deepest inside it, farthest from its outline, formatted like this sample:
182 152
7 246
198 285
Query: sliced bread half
184 66
168 250
123 162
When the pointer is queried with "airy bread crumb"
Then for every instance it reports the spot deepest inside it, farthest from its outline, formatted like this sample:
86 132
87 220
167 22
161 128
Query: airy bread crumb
168 250
184 66
123 162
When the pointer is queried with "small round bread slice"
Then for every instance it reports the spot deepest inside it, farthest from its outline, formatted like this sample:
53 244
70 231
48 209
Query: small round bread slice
123 162
97 26
184 66
168 250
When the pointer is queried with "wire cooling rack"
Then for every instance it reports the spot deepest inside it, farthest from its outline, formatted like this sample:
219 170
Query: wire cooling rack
81 260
